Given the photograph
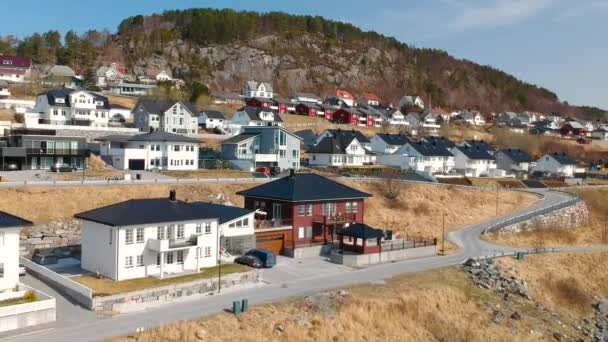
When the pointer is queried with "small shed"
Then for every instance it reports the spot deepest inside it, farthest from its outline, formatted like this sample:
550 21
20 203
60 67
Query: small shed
361 238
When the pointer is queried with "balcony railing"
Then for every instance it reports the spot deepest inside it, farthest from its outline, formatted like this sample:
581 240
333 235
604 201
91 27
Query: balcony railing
55 151
165 245
273 223
335 218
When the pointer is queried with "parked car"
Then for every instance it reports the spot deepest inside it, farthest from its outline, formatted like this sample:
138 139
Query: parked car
264 170
260 175
21 270
275 170
249 260
12 167
59 167
268 258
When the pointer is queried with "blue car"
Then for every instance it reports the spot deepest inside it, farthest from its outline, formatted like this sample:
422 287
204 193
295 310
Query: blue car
268 258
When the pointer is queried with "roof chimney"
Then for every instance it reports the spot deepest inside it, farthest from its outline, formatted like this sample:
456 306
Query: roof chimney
172 196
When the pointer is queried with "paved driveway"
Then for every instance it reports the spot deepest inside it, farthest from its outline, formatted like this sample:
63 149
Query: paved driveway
288 269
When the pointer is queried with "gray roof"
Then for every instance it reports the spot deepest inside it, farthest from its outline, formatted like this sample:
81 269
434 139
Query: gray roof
308 136
303 188
152 137
475 153
428 149
214 114
517 155
61 70
161 106
440 141
332 145
394 139
240 138
11 221
161 210
255 85
349 133
563 158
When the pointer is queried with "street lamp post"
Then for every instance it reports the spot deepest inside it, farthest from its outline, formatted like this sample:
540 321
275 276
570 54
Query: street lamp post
496 199
219 260
443 233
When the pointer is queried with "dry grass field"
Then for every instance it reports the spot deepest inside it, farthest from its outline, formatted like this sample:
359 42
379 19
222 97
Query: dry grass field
591 234
7 115
440 305
208 174
128 102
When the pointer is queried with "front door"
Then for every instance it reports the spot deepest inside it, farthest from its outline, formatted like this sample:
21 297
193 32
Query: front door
277 212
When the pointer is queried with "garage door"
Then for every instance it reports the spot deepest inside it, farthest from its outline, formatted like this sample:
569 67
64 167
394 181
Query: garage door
274 243
137 164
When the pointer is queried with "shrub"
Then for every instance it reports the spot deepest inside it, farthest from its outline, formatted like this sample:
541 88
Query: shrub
30 296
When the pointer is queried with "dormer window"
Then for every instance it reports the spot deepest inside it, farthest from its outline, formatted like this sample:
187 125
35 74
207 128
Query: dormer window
7 62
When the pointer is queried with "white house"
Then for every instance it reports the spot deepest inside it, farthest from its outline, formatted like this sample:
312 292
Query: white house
421 156
386 143
346 134
253 116
514 160
159 237
109 74
4 91
601 134
150 151
211 119
340 150
473 161
71 107
154 75
556 164
15 69
472 117
177 117
396 118
262 90
415 101
10 226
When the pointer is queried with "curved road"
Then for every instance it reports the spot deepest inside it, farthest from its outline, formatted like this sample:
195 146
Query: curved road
86 327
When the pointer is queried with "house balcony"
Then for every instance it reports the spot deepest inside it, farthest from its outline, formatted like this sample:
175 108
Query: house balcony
259 157
273 225
335 218
168 245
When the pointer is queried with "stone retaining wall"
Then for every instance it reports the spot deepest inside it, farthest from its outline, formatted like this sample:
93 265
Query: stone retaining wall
570 217
50 235
125 301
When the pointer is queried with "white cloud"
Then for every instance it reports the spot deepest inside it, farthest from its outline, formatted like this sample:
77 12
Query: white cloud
581 9
498 13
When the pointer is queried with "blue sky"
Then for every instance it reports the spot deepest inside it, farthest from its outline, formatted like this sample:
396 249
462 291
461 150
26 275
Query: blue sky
559 44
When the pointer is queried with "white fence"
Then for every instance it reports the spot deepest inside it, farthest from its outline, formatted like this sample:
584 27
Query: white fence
67 286
133 182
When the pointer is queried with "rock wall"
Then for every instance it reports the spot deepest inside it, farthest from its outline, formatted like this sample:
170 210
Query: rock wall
124 302
570 217
50 235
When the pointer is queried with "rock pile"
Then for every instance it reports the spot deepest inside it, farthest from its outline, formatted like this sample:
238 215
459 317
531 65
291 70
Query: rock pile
488 275
49 235
601 322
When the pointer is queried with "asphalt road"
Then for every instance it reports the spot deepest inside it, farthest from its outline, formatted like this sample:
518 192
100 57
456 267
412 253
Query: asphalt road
87 328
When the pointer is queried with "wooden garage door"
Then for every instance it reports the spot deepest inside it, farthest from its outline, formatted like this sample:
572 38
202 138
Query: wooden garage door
274 243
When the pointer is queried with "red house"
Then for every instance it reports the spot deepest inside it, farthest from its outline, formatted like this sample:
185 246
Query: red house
573 129
281 105
328 111
309 108
259 102
302 212
347 116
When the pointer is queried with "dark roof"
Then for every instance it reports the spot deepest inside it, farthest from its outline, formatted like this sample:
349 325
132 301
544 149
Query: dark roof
161 106
160 210
332 145
517 155
563 158
476 153
240 138
308 136
429 149
214 114
440 141
152 136
394 139
349 133
254 113
16 61
481 144
11 221
303 187
52 95
361 231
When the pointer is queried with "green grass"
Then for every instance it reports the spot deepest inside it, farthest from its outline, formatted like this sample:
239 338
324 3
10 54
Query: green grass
108 287
15 301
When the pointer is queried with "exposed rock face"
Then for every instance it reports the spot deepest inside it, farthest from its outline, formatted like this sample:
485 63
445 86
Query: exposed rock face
488 275
50 235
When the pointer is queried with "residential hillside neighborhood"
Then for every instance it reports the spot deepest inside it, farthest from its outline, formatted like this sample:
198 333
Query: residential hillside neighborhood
153 178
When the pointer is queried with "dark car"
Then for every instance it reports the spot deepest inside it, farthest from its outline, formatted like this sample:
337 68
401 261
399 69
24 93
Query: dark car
275 170
58 167
268 258
249 260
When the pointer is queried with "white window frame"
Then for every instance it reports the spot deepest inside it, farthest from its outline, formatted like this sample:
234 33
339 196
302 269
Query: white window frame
128 262
140 235
179 259
129 236
207 252
139 262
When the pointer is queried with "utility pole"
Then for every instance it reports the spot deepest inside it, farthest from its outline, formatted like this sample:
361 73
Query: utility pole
605 228
219 261
443 233
496 199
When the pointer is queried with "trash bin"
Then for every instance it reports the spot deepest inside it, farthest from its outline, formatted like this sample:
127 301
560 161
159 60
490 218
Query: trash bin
236 307
519 255
138 176
245 305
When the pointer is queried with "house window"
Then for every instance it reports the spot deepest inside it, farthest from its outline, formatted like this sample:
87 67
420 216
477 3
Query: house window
160 233
180 231
309 210
207 252
348 207
158 259
282 153
171 232
207 228
199 228
129 262
302 209
176 148
139 234
129 237
246 222
140 260
355 207
169 258
301 233
180 257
